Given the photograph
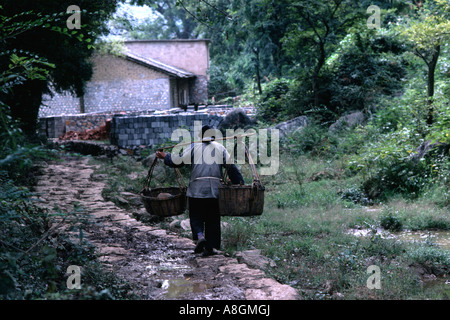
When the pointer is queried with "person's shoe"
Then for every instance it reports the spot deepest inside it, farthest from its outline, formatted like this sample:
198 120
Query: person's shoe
201 243
208 252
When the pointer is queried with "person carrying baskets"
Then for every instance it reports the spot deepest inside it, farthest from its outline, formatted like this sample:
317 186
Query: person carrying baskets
203 189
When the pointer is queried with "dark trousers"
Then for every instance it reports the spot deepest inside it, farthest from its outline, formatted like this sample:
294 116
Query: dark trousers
205 217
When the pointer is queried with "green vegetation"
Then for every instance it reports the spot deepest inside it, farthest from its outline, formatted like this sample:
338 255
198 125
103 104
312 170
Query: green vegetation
35 34
305 230
33 256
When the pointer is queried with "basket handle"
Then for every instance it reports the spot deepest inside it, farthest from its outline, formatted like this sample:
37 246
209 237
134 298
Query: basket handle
252 165
148 179
256 179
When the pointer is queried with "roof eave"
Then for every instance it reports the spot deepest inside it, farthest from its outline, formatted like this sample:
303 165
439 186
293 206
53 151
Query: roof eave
172 71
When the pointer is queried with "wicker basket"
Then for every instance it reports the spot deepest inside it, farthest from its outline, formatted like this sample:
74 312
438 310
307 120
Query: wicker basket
173 206
242 200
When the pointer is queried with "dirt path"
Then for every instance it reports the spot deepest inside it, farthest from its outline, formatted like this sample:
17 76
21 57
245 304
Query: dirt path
158 264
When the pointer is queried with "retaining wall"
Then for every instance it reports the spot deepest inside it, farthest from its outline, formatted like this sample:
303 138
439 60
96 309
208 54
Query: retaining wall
129 130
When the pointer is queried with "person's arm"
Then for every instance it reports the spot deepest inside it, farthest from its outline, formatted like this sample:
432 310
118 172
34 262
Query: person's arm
234 174
167 157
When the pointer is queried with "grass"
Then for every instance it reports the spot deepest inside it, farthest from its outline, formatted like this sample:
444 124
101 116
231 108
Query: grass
304 230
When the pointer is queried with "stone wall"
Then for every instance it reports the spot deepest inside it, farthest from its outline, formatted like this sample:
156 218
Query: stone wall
198 92
152 130
127 95
117 85
60 103
51 127
130 130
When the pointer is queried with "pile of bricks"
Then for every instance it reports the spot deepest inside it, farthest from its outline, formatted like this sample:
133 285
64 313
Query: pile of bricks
58 126
101 133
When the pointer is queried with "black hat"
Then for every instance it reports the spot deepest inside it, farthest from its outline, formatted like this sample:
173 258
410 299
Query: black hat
206 128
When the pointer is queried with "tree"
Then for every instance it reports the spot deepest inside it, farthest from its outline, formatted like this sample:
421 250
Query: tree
67 50
368 65
245 37
428 31
169 22
319 26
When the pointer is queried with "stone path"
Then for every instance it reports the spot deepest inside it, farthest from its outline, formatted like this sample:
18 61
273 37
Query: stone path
158 264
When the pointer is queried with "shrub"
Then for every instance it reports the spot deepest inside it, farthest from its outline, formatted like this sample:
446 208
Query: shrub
356 195
238 234
272 103
388 167
397 159
369 65
313 139
403 177
391 221
434 260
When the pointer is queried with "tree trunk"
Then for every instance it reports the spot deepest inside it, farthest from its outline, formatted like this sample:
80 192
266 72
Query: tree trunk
315 76
258 75
82 109
430 84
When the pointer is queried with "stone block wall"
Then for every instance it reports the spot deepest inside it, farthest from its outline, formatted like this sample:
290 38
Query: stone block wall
130 130
198 92
51 127
127 95
59 103
152 130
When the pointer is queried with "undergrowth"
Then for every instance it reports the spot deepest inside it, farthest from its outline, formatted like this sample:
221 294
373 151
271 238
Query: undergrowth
34 256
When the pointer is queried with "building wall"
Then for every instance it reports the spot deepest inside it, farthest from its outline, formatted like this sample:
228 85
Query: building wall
108 67
63 103
116 85
189 55
121 85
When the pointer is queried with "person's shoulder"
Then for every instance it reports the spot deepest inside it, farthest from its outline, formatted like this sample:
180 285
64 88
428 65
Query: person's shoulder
217 144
